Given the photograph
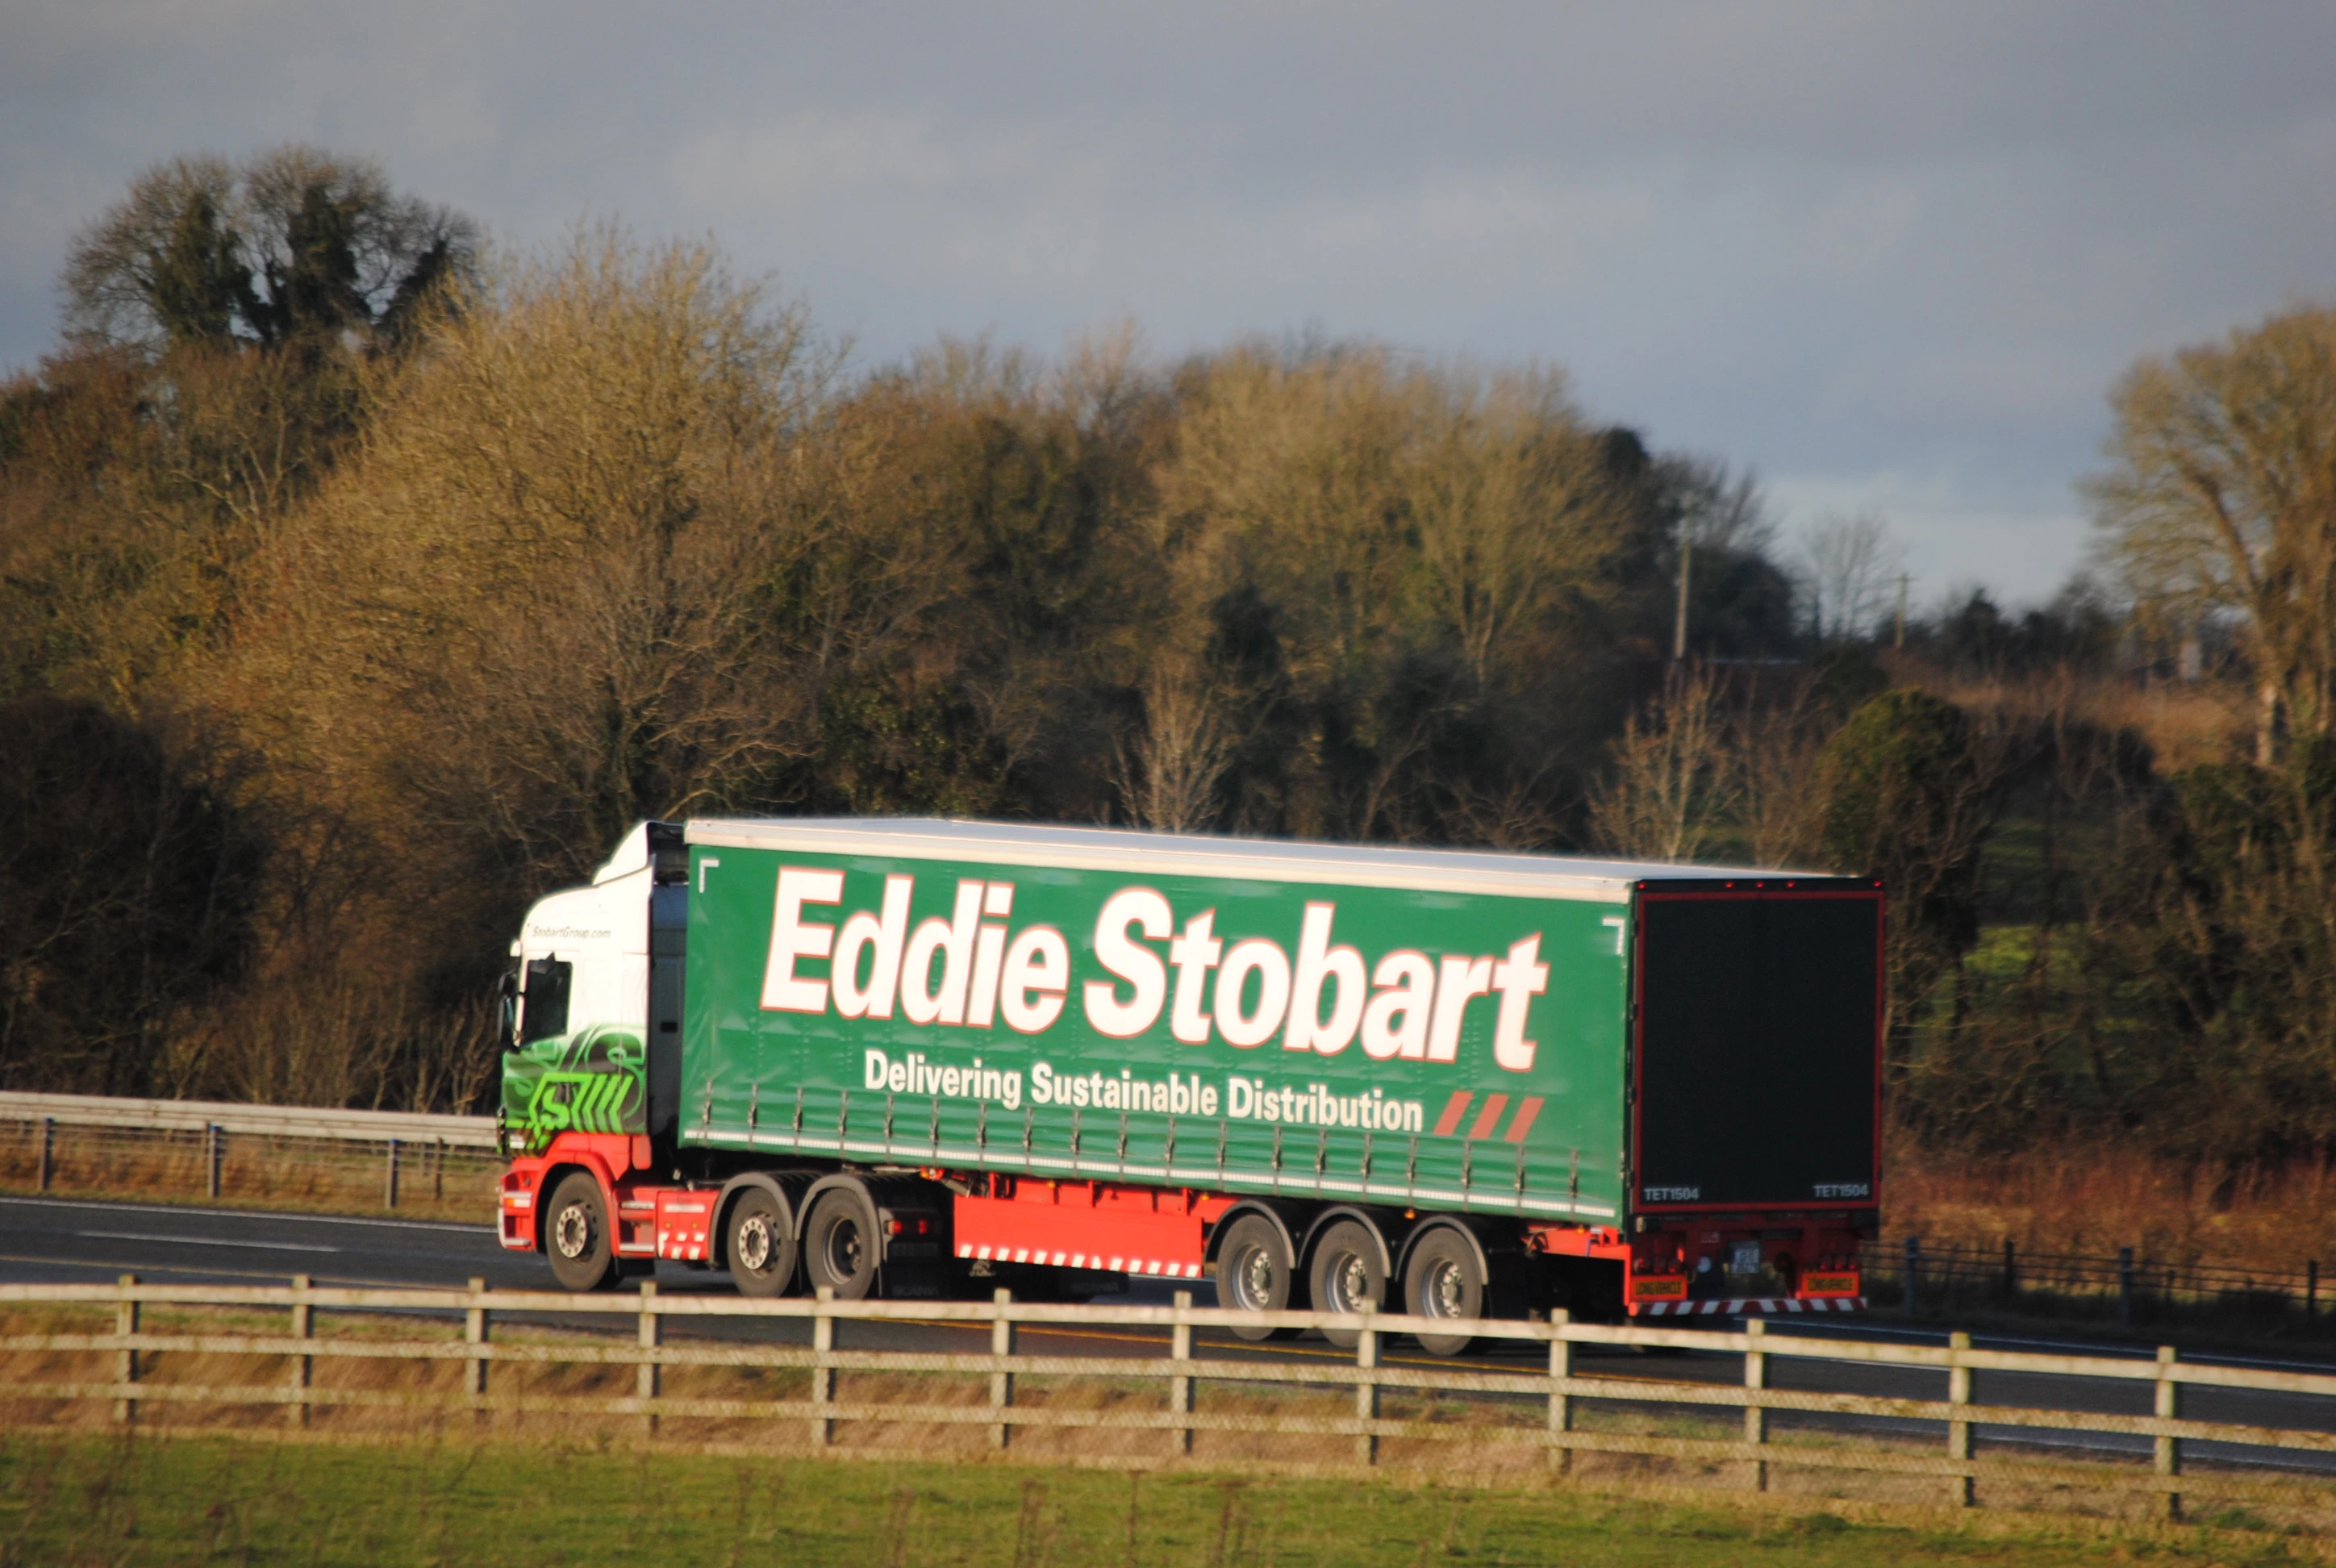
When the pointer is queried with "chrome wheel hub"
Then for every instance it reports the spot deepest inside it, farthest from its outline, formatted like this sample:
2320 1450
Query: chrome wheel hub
1444 1294
755 1246
572 1231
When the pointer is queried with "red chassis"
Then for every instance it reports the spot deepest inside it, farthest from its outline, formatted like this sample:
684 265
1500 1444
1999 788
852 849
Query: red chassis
1164 1232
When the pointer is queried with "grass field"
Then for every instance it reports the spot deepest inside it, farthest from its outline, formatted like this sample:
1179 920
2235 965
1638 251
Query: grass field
130 1503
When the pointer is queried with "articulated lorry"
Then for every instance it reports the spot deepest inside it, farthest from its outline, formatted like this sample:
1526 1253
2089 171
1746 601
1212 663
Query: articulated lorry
915 1058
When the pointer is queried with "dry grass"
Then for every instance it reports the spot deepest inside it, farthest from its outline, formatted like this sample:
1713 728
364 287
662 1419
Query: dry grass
303 1175
2185 722
2093 1198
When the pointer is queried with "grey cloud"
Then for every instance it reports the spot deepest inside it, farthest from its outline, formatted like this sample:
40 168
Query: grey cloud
1891 251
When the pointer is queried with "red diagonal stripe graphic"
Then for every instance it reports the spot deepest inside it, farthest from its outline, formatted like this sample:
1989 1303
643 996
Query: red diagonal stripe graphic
1453 1109
1526 1111
1490 1116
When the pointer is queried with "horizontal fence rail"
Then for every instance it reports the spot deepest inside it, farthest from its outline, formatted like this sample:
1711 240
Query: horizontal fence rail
219 1149
1145 1369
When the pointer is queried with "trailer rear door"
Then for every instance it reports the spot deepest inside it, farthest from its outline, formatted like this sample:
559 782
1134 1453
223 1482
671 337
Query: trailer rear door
1758 1047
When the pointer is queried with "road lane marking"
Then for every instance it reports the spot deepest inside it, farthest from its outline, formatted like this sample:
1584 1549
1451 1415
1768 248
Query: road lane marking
203 1241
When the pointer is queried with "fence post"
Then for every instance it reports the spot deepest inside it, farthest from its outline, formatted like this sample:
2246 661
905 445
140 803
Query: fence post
2310 1289
2167 1451
1914 1268
2125 1287
1960 1491
2010 1273
648 1376
438 1172
303 1370
1561 1403
476 1332
822 1366
212 1140
1179 1386
1367 1388
125 1326
389 1179
1001 1381
48 1151
1756 1416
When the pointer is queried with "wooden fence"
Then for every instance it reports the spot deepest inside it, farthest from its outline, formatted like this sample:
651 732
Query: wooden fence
1533 1414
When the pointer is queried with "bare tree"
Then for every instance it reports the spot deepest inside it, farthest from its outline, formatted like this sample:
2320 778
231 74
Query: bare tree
1849 564
1674 786
1169 775
2222 496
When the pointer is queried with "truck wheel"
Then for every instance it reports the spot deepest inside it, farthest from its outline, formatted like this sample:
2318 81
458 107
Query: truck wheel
759 1247
1443 1280
1346 1277
576 1235
841 1246
1254 1274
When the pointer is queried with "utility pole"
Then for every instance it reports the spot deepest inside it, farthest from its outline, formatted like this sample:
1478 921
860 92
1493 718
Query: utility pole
1900 643
1679 630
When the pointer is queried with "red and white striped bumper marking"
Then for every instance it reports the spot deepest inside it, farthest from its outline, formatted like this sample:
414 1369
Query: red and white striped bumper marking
1166 1271
1769 1304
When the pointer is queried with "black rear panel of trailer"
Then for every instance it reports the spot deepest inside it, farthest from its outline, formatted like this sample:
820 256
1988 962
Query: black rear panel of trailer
1757 1048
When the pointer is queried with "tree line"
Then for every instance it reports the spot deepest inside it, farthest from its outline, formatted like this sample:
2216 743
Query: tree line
359 583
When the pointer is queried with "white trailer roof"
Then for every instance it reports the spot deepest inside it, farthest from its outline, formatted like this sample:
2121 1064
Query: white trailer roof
1204 855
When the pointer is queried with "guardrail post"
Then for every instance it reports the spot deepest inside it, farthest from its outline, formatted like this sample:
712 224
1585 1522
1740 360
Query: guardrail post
125 1327
2310 1289
1367 1388
2010 1272
48 1152
1960 1491
1913 1269
2166 1452
822 1366
1561 1403
476 1332
212 1142
1179 1386
303 1370
1001 1381
1756 1415
2125 1287
389 1179
648 1376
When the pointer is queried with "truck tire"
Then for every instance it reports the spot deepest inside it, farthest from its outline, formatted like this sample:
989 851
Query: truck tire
1444 1279
575 1234
760 1246
1346 1277
839 1244
1254 1274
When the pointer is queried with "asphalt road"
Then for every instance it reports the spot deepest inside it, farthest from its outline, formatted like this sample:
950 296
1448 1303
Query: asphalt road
47 1241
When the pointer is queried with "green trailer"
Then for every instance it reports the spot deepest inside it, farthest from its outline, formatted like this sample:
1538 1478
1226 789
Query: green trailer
907 1055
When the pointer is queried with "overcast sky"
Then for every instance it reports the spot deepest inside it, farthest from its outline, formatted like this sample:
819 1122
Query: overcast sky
1888 256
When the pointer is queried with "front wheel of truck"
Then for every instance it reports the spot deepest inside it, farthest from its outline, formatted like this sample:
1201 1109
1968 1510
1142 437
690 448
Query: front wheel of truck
576 1235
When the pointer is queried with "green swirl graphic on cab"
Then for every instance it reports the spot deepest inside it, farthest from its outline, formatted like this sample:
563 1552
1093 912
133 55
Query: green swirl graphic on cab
593 1081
